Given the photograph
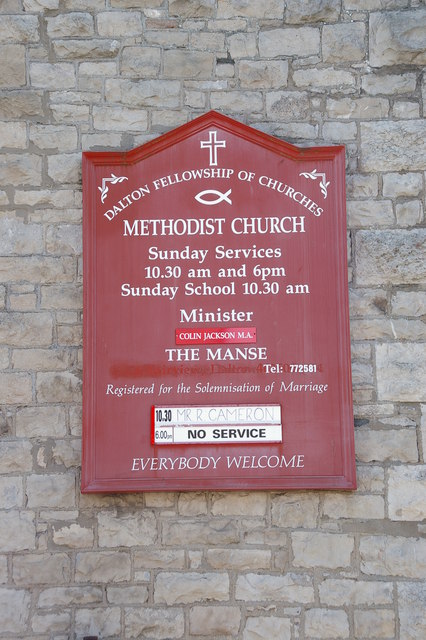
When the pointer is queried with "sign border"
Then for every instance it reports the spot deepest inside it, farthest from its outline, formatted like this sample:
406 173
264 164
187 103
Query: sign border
92 159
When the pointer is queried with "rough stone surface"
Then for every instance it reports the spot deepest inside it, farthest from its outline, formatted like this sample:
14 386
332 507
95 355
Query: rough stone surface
196 565
393 361
393 146
397 38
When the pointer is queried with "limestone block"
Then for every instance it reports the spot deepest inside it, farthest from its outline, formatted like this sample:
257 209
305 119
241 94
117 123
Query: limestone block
315 549
167 38
291 588
150 5
401 375
338 592
409 303
104 621
144 93
140 61
250 9
12 70
70 112
390 84
36 269
101 68
118 24
128 595
405 109
287 105
326 623
239 503
14 610
62 240
251 101
301 11
41 568
295 509
58 387
214 621
344 42
192 8
372 5
239 559
293 41
15 456
15 388
51 622
407 493
360 108
42 360
51 490
268 74
354 506
370 213
51 76
385 445
67 453
102 566
11 492
208 42
390 257
161 624
378 624
393 146
70 25
265 628
338 132
64 167
242 45
320 78
62 296
183 64
402 185
397 37
69 596
187 532
20 170
22 29
26 329
17 530
192 503
367 302
126 530
393 556
20 104
409 213
411 608
19 237
119 118
40 5
13 135
73 536
92 49
154 558
62 138
183 588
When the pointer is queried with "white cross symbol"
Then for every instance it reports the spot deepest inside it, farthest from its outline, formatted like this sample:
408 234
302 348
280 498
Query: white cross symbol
212 144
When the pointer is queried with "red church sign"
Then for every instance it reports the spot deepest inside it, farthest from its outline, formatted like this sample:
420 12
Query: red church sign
215 314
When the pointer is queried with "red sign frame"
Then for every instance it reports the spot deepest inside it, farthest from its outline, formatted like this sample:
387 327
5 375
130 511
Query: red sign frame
215 276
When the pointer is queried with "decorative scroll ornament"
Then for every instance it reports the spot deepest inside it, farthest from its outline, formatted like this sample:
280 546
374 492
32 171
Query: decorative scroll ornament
113 179
201 197
313 176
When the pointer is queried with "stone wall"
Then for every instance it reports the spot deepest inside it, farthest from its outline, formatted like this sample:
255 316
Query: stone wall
112 74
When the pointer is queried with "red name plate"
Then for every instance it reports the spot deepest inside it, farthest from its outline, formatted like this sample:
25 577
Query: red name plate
217 335
215 291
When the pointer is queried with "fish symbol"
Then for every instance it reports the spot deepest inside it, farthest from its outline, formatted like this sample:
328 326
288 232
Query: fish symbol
220 197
